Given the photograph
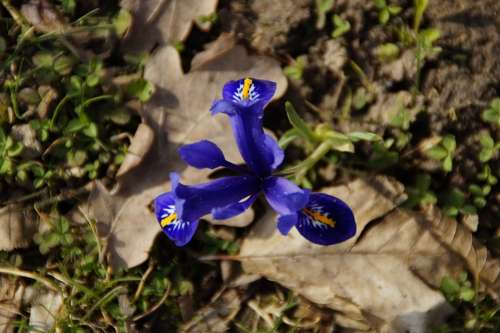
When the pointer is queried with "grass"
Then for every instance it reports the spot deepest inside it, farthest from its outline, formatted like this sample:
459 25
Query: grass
81 112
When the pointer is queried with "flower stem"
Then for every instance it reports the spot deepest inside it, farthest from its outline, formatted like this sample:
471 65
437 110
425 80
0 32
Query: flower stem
301 169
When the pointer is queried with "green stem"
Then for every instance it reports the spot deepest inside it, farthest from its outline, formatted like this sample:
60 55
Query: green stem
301 169
59 108
105 299
30 275
97 99
16 15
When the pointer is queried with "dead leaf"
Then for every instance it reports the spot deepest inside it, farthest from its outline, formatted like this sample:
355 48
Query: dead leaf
215 317
43 16
17 227
164 21
44 309
11 294
385 278
178 113
388 105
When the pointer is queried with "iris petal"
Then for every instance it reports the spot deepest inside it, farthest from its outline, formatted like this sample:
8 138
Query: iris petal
205 154
284 196
260 152
286 223
326 220
193 202
243 101
233 210
249 91
179 231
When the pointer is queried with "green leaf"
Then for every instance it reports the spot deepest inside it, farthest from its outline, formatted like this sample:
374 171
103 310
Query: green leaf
486 140
91 130
120 116
296 69
74 125
142 89
436 153
366 136
92 80
387 52
430 35
288 137
122 22
448 163
341 26
475 189
380 4
383 16
449 143
491 116
394 10
467 294
480 202
6 167
297 123
76 158
486 154
38 182
449 287
454 197
16 149
51 240
323 6
343 145
64 64
43 59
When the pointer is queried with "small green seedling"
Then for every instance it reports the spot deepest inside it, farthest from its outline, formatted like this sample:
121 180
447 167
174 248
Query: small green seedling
454 202
9 150
341 26
296 69
443 152
488 147
58 235
486 176
387 52
492 114
458 290
318 143
382 156
385 11
322 8
421 194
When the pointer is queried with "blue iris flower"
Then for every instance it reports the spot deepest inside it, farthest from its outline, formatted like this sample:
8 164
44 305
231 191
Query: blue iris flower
320 218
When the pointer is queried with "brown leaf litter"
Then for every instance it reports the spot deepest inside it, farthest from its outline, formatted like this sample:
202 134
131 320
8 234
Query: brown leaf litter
177 114
164 21
17 227
385 278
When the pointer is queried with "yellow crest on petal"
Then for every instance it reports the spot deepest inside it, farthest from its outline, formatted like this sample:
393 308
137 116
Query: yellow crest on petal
167 220
319 217
247 84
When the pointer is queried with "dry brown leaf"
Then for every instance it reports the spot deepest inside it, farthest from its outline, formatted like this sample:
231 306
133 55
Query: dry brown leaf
11 294
17 227
43 16
164 21
177 114
215 316
385 277
44 309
